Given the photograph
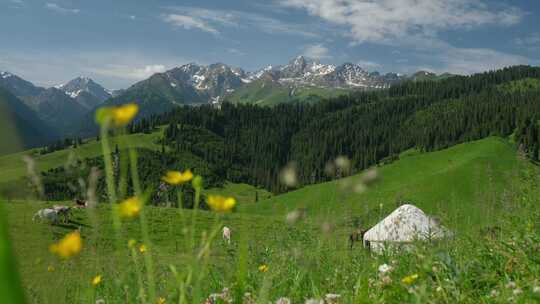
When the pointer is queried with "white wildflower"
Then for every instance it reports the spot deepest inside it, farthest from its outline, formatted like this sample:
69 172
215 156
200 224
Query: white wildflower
332 298
384 268
283 301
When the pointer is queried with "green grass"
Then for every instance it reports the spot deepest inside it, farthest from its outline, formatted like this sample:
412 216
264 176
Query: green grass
13 166
269 93
443 183
468 186
244 193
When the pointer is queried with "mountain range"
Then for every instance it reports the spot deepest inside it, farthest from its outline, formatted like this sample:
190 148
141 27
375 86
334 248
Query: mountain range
67 107
59 107
300 79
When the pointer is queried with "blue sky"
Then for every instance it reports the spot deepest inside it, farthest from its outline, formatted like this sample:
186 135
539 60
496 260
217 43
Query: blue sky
123 41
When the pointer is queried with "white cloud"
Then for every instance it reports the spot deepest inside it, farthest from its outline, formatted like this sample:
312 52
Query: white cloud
59 9
316 51
387 20
113 69
369 65
128 71
210 20
17 3
132 17
236 52
474 60
189 22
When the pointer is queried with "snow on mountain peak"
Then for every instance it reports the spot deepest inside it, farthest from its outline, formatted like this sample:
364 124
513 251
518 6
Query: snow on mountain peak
5 75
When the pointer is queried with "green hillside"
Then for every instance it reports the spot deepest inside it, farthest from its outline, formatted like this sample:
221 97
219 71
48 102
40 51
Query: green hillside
268 93
13 166
460 185
20 127
468 177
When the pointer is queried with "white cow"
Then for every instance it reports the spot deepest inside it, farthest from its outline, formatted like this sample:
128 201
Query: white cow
50 215
227 234
63 212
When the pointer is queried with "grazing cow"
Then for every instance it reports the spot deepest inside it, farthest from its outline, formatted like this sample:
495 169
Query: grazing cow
46 214
80 203
63 212
356 236
227 234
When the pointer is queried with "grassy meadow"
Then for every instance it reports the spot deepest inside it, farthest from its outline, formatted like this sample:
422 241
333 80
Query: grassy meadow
481 190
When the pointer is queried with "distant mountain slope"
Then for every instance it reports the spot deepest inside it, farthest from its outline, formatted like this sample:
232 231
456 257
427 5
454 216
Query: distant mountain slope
58 109
429 76
20 127
18 86
268 92
61 107
85 91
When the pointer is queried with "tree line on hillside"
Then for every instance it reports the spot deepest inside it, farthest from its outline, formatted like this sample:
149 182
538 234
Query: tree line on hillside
252 144
71 182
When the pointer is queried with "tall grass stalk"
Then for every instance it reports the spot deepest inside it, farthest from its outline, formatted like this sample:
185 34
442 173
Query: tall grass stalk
144 227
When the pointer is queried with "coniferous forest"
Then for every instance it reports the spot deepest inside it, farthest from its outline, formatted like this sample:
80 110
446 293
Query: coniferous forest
252 144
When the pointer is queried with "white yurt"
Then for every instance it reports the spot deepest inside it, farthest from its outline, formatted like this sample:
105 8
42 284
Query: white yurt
403 226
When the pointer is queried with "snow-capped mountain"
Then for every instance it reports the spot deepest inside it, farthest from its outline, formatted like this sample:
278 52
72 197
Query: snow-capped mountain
302 72
60 107
85 91
193 84
18 86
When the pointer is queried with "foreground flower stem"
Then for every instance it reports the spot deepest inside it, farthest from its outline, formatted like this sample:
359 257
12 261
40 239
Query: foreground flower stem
144 226
109 177
194 213
180 197
139 275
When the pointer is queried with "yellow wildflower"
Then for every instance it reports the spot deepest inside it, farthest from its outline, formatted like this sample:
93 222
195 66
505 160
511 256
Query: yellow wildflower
220 203
409 279
96 280
51 268
263 268
142 248
120 116
177 178
124 114
131 243
160 300
130 207
69 246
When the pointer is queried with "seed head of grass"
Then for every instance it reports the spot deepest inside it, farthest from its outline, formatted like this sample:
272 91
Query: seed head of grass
161 300
288 176
132 243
